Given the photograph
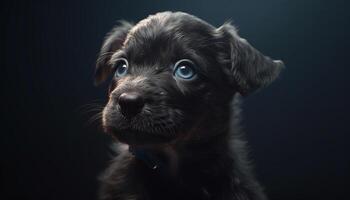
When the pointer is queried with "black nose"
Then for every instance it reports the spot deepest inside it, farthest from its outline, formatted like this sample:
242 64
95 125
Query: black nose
130 103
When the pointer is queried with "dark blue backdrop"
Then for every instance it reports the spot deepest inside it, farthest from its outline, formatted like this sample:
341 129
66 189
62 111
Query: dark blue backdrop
297 128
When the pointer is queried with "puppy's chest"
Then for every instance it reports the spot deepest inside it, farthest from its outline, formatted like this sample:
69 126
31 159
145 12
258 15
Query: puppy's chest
192 186
171 191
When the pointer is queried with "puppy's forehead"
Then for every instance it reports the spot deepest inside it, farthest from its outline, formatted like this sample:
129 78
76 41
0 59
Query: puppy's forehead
166 37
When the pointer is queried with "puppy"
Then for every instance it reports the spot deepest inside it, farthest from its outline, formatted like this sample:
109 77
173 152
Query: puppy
173 109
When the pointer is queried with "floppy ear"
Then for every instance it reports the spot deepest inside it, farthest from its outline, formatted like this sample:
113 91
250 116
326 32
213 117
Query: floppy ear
249 69
113 41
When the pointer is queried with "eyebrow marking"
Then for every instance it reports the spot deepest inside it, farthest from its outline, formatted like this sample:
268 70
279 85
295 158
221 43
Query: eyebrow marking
117 55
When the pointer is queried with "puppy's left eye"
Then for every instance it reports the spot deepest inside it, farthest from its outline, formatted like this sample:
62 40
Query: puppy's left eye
121 68
184 69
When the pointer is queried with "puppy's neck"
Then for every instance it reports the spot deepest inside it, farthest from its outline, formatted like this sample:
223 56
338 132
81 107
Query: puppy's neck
162 158
173 159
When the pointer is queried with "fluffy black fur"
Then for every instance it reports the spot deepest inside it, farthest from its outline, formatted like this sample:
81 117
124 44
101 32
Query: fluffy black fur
190 127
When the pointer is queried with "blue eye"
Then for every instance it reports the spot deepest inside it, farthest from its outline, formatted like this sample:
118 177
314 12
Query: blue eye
184 69
121 68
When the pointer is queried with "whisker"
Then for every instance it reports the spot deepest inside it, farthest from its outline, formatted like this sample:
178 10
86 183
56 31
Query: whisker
94 119
93 111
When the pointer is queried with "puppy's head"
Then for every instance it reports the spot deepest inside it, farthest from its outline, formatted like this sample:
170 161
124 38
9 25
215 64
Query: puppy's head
174 76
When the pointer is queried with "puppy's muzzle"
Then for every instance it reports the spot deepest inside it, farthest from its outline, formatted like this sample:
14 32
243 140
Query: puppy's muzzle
131 103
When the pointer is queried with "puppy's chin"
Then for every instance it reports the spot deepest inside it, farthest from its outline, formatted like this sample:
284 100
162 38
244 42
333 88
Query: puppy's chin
136 137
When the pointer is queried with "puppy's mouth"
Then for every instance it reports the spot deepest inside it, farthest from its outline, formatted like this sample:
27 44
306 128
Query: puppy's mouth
151 126
137 137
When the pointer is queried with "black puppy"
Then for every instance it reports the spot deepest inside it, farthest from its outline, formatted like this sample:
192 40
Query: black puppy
170 109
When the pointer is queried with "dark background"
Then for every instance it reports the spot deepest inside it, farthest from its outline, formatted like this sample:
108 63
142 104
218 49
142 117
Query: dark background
297 128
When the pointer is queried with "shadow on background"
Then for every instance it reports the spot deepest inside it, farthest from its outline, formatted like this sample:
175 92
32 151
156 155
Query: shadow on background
297 128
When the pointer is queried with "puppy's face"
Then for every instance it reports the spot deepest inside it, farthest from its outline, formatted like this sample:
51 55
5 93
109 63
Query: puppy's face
174 77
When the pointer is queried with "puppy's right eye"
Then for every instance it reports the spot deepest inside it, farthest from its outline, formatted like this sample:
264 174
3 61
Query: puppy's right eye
184 69
121 68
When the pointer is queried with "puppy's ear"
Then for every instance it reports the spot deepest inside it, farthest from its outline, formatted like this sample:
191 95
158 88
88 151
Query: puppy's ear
113 41
248 68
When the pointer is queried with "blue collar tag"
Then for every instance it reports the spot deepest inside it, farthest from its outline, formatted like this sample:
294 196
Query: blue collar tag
147 157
